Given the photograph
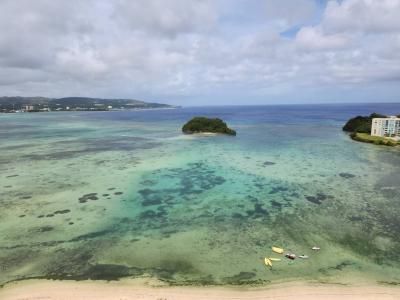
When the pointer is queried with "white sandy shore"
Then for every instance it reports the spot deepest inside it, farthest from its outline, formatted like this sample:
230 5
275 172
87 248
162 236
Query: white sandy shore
205 134
150 290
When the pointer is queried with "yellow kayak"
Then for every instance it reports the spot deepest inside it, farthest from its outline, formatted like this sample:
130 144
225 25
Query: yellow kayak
277 250
268 262
274 259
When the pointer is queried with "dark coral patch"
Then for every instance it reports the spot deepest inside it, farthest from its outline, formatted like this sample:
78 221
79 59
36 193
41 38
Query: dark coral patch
118 193
276 204
108 272
355 218
91 235
177 266
268 163
94 145
319 198
257 212
155 197
61 212
45 228
148 182
146 192
148 214
278 189
167 233
149 202
251 198
241 278
86 197
151 214
186 183
347 175
237 216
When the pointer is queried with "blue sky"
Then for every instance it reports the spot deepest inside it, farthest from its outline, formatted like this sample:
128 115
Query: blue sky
203 52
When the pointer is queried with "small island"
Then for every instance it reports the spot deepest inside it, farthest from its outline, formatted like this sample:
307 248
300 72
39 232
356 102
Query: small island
207 125
362 129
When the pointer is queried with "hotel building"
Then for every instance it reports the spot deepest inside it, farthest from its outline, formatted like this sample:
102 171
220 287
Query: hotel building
386 126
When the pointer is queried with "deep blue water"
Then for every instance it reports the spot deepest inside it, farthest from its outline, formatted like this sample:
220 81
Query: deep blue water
282 114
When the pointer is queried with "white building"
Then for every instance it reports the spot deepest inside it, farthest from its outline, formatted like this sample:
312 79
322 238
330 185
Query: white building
29 108
386 126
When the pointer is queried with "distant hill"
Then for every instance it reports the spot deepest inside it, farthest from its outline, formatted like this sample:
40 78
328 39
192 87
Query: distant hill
10 104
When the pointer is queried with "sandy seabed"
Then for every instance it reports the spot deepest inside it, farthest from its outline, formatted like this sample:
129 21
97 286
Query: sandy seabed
145 289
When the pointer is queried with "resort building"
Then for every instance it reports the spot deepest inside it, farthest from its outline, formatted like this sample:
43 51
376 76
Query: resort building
29 108
386 126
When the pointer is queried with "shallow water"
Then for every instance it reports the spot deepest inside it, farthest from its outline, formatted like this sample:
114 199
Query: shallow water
113 194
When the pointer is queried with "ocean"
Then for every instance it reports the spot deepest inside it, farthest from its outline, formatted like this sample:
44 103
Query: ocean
107 195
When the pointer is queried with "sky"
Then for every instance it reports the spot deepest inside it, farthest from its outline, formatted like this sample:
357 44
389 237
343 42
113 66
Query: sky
202 52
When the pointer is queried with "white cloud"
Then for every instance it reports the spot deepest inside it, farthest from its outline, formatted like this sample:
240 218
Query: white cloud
169 17
312 38
81 62
196 49
289 12
369 16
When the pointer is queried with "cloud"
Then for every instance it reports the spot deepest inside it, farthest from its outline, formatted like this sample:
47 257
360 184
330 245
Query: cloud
170 17
369 16
312 38
183 51
290 13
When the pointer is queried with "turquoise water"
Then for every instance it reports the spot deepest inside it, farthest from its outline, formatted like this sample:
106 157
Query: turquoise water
116 194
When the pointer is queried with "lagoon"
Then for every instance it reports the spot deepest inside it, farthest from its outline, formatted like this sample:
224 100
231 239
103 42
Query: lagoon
106 195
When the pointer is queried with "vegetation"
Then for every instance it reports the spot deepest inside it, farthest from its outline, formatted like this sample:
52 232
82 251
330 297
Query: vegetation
203 124
377 140
361 124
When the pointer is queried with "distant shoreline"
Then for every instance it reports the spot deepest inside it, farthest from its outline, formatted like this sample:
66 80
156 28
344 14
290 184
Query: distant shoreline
149 289
92 110
42 104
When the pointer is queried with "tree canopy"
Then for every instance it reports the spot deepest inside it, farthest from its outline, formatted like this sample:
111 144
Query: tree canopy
203 124
361 124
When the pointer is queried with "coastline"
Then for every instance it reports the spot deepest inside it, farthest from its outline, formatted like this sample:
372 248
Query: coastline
94 110
379 141
150 289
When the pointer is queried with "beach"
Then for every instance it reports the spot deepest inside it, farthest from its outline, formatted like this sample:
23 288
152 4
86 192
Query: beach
146 289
